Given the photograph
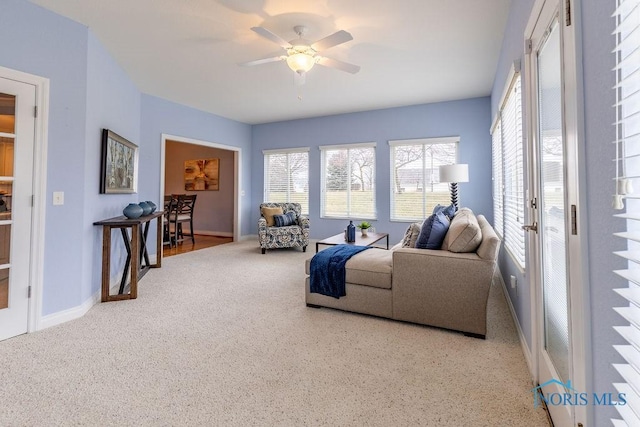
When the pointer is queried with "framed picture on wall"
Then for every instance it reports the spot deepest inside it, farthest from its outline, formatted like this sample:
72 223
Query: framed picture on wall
202 174
119 168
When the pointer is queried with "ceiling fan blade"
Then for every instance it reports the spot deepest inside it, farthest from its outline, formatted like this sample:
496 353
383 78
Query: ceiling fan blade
340 65
273 37
262 61
332 40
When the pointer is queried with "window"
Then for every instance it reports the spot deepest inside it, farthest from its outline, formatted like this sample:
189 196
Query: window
348 181
627 160
498 185
508 172
286 176
415 177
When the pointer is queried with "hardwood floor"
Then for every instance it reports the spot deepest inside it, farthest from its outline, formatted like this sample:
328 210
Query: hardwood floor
202 241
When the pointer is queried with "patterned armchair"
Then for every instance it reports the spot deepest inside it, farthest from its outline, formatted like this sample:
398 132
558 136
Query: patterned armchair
296 235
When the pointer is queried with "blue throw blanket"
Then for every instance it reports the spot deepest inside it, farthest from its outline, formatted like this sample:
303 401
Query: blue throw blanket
328 270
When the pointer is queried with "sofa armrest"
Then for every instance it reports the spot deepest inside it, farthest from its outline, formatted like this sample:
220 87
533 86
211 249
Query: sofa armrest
442 288
262 224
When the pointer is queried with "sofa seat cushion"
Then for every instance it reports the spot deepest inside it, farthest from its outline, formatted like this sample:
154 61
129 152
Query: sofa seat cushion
368 268
464 234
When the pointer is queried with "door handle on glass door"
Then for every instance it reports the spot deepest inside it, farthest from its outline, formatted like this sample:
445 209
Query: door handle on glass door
532 227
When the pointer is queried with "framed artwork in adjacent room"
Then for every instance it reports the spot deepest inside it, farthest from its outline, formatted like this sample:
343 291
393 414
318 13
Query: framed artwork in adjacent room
119 168
202 174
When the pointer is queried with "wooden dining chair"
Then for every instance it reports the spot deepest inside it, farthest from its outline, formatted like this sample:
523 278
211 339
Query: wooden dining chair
170 205
184 213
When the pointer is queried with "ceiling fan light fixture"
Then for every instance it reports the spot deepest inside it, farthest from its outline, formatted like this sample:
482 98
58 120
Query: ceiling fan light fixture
300 62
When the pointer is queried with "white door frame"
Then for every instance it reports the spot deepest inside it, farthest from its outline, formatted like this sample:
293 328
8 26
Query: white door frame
578 302
237 160
36 269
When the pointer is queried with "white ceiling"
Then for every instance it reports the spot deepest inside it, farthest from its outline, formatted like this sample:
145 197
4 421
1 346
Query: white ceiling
187 51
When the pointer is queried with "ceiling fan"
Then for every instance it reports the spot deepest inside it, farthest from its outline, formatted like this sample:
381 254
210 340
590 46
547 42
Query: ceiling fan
302 55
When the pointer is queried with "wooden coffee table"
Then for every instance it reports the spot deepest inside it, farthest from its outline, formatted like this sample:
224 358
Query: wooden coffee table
338 239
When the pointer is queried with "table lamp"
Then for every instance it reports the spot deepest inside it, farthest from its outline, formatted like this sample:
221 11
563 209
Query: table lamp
453 174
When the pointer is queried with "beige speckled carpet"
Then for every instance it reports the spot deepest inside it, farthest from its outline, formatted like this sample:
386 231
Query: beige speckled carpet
222 336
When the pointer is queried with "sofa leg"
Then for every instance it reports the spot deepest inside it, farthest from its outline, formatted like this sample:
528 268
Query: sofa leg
313 306
304 249
264 250
472 335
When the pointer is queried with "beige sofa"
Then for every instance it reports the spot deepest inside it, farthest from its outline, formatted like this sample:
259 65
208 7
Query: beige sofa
430 287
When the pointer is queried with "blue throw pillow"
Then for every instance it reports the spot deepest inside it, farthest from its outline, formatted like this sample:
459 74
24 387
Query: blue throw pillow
449 211
284 220
433 231
438 231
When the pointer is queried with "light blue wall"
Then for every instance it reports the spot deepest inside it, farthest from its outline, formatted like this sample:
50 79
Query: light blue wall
39 42
513 50
89 91
113 102
469 119
160 116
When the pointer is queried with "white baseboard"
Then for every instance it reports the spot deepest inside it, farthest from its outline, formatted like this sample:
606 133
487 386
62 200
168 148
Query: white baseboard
82 309
70 313
249 237
523 340
214 233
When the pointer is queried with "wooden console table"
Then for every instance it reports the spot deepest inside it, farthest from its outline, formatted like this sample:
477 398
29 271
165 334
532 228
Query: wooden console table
136 244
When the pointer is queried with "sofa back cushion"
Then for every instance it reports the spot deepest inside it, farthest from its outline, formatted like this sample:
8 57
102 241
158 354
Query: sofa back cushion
464 234
490 245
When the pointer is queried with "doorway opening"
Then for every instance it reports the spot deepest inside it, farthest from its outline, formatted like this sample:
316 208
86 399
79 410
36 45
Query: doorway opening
216 210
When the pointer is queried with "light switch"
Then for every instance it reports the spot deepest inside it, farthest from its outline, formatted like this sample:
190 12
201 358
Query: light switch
58 198
241 193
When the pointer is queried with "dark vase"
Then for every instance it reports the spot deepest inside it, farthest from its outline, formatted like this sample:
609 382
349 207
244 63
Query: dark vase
153 206
146 209
351 232
132 211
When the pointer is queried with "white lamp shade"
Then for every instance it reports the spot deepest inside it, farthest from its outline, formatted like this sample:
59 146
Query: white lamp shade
454 173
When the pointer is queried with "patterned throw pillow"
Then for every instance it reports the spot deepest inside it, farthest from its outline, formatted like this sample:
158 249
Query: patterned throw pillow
285 220
411 235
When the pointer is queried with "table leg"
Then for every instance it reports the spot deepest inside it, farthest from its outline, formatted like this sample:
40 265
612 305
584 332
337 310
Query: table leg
143 245
106 262
127 245
159 246
135 265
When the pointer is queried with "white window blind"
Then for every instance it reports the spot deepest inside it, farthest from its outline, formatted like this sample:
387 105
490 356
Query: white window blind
415 176
508 172
348 181
498 181
286 177
627 159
